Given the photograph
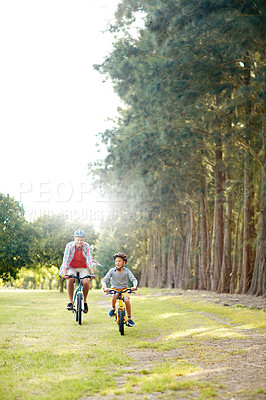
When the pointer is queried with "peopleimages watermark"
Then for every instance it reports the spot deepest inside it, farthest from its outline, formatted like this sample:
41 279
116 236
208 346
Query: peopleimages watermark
91 214
63 191
54 191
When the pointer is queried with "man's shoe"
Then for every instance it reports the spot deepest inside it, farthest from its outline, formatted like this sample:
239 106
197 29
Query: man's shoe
69 306
111 313
130 322
85 308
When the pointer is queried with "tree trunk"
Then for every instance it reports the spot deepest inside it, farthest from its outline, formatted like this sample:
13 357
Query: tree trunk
151 261
164 256
249 229
180 261
197 257
157 252
180 254
233 280
172 266
247 238
208 270
203 241
239 285
61 284
219 226
258 283
224 284
213 240
143 274
187 265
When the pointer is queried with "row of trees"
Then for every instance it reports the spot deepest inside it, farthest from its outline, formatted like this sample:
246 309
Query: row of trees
32 252
185 168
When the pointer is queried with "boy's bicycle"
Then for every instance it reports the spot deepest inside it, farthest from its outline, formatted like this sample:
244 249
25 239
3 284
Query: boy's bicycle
120 312
78 302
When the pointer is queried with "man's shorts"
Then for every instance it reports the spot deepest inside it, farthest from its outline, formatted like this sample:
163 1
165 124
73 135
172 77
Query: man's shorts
82 271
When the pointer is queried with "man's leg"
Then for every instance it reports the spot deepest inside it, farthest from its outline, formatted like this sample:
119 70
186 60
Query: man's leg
70 289
85 288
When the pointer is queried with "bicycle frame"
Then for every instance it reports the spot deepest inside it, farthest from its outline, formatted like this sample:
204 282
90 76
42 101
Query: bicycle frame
78 301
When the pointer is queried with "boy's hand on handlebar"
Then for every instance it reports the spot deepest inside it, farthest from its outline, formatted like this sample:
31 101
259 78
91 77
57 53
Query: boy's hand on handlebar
107 290
133 289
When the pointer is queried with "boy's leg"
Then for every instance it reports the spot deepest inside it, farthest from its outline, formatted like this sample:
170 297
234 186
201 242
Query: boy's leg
112 311
114 298
128 306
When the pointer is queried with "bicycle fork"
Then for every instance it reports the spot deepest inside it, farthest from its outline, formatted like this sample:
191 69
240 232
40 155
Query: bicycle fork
121 308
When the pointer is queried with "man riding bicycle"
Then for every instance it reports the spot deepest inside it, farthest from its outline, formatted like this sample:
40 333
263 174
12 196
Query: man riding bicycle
77 258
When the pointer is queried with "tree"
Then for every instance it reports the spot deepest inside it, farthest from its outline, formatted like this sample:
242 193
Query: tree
192 81
16 237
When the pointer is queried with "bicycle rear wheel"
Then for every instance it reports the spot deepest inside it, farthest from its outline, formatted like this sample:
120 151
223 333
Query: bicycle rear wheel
79 308
121 321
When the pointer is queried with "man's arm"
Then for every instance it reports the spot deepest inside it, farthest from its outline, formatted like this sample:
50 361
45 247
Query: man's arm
65 258
90 258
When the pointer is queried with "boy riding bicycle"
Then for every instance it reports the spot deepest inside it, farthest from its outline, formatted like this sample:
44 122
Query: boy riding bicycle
118 278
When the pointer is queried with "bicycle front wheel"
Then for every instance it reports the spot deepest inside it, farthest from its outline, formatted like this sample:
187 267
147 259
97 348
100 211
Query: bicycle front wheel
79 308
121 321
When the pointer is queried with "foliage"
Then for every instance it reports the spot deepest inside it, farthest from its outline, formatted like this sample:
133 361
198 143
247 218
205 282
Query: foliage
192 81
37 246
15 235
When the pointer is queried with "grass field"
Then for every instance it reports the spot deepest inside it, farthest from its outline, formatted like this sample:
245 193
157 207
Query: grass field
45 354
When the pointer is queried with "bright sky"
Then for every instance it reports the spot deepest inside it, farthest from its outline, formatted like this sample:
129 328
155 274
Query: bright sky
52 101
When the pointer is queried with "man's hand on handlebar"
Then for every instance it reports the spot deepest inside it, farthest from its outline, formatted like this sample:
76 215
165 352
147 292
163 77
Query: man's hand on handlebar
107 290
133 288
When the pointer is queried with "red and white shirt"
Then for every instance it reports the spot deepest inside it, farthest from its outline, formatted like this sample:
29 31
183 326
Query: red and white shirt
78 261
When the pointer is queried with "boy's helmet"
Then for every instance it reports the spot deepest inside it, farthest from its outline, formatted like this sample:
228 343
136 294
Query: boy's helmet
79 233
121 255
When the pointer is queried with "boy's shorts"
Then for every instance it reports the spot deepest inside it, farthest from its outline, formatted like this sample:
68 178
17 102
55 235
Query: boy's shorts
124 294
82 271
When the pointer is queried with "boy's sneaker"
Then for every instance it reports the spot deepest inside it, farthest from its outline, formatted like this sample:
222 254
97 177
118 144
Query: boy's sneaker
69 306
111 313
130 322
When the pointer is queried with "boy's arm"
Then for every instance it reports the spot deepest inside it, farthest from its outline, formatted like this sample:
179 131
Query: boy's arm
106 279
133 280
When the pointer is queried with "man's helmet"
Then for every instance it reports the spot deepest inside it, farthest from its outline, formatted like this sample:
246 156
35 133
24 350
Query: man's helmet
79 233
121 255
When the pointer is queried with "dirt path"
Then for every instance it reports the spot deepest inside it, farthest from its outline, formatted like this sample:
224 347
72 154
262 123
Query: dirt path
236 367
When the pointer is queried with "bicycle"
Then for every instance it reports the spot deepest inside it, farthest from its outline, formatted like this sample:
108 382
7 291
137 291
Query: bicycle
120 313
78 302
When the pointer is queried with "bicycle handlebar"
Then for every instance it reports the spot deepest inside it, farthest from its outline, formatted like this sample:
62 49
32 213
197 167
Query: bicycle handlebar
79 278
113 291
